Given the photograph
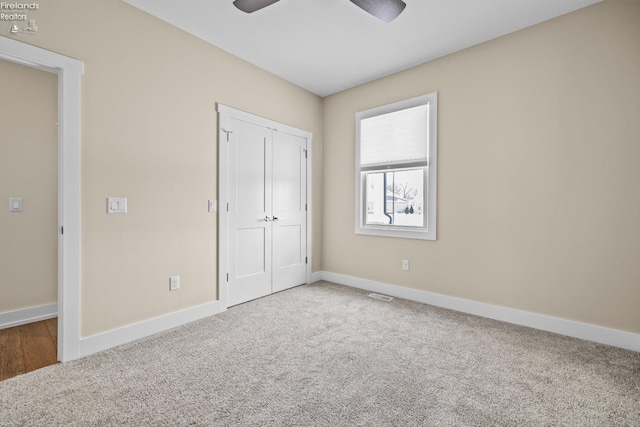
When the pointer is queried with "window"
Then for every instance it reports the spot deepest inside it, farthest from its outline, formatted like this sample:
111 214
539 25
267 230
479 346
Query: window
396 169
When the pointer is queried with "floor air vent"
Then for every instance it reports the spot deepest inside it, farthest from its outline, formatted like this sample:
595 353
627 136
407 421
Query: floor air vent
381 297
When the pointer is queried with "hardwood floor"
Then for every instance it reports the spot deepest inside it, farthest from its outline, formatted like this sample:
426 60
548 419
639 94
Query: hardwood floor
26 348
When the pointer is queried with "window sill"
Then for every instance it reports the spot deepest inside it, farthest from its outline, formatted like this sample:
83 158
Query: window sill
396 232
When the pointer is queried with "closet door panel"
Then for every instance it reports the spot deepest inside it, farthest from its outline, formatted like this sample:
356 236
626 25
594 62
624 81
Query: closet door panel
250 231
289 210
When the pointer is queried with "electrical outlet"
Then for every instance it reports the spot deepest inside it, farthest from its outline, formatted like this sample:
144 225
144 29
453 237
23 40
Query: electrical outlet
174 283
15 204
405 264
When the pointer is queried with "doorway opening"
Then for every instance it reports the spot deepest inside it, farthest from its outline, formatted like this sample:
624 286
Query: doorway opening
69 72
29 227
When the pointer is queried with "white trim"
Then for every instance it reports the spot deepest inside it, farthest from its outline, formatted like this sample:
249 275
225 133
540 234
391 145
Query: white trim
309 208
431 185
261 121
316 276
222 207
585 331
69 73
136 331
9 319
224 113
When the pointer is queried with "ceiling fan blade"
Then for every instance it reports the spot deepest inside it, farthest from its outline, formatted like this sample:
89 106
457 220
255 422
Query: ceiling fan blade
252 5
386 10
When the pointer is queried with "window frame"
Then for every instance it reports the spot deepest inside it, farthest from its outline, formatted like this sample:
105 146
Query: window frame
428 231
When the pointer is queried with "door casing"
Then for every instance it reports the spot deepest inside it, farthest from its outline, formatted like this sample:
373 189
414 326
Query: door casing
224 113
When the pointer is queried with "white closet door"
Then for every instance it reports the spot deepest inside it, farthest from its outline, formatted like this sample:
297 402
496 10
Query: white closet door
266 231
289 211
250 212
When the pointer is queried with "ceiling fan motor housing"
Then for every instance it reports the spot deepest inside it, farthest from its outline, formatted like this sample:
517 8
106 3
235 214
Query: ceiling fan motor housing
386 10
250 6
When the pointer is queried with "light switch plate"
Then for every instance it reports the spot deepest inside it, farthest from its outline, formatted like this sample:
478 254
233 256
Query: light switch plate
15 204
174 283
117 205
213 205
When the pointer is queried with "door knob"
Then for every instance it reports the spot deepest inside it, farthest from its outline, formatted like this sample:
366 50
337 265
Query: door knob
275 218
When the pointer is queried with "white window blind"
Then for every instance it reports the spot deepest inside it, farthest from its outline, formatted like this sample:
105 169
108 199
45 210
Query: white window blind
395 138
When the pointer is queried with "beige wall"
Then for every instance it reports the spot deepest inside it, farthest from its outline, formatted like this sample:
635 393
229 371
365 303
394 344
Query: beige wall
149 134
28 169
538 176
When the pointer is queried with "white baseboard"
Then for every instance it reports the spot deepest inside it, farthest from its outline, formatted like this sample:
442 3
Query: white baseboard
585 331
316 276
125 334
23 316
129 333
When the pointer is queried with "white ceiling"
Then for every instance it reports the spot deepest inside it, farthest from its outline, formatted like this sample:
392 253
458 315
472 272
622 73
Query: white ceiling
326 46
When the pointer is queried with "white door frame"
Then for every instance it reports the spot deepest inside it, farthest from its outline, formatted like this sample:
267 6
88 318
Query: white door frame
69 72
224 114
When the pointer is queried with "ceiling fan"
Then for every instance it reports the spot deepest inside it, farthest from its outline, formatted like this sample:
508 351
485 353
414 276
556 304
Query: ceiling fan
386 10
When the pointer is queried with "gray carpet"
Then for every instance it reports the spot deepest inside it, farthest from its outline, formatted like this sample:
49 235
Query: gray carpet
327 355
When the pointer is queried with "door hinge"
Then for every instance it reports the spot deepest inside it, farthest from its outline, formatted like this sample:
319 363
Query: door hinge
227 207
227 132
305 207
227 277
306 260
61 230
305 153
